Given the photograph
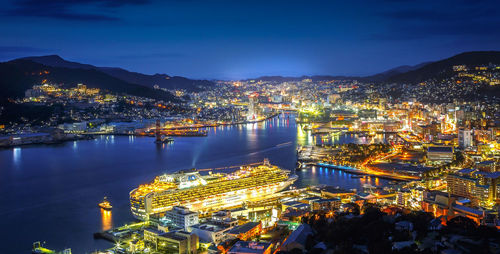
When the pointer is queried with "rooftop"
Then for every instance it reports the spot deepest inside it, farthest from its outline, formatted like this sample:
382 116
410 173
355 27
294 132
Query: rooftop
467 209
249 247
299 235
466 171
174 236
243 228
440 149
209 227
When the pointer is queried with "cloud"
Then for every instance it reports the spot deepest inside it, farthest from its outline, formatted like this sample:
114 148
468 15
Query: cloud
69 9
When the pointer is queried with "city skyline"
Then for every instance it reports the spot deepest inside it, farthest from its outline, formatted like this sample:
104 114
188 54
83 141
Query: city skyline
225 40
238 127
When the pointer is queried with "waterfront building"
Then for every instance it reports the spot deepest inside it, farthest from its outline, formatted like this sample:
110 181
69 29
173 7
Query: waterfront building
334 192
78 127
180 242
181 217
210 232
322 204
296 205
25 138
151 234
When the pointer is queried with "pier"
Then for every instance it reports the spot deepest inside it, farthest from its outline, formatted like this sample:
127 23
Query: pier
350 170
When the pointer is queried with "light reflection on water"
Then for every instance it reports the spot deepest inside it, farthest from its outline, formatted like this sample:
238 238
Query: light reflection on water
61 183
106 220
16 156
337 178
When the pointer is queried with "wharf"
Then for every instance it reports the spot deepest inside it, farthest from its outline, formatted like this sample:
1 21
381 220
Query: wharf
356 171
115 235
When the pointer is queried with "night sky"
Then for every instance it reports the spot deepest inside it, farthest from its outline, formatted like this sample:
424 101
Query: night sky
241 39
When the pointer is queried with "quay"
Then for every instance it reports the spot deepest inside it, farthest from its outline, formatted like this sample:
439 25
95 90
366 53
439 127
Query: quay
356 171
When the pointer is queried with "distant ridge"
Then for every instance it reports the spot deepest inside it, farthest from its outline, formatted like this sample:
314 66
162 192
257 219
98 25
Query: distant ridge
57 61
137 83
406 73
290 79
162 80
19 75
392 72
444 68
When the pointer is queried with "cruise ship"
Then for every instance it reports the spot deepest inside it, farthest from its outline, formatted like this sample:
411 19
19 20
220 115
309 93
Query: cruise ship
211 192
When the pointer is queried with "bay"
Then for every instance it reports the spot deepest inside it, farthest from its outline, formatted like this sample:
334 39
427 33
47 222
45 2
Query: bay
50 192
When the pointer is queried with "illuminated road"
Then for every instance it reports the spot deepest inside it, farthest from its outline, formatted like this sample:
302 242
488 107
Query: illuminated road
381 157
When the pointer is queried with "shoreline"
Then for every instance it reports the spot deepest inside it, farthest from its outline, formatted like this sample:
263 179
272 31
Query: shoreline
90 136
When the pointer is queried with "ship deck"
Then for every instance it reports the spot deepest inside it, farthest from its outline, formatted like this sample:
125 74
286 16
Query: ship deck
256 179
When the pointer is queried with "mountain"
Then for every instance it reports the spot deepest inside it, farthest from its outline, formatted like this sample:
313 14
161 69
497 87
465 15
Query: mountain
372 78
57 61
392 72
444 68
408 74
292 79
411 74
19 75
162 80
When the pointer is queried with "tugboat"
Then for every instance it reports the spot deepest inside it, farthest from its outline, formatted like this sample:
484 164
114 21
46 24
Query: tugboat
164 140
105 205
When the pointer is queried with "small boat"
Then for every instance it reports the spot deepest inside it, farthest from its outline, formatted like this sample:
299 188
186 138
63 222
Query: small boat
165 140
105 205
357 176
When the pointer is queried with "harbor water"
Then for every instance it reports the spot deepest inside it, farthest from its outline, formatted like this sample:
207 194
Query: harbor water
50 192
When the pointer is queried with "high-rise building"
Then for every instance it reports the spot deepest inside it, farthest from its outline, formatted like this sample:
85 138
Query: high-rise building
479 186
252 107
464 138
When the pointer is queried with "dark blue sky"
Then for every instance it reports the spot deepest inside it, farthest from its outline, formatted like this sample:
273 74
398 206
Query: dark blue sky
239 39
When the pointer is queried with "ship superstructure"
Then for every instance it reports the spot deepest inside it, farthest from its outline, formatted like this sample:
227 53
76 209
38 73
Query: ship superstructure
206 193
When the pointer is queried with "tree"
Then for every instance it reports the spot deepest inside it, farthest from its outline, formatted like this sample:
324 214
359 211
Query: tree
352 208
459 158
461 224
